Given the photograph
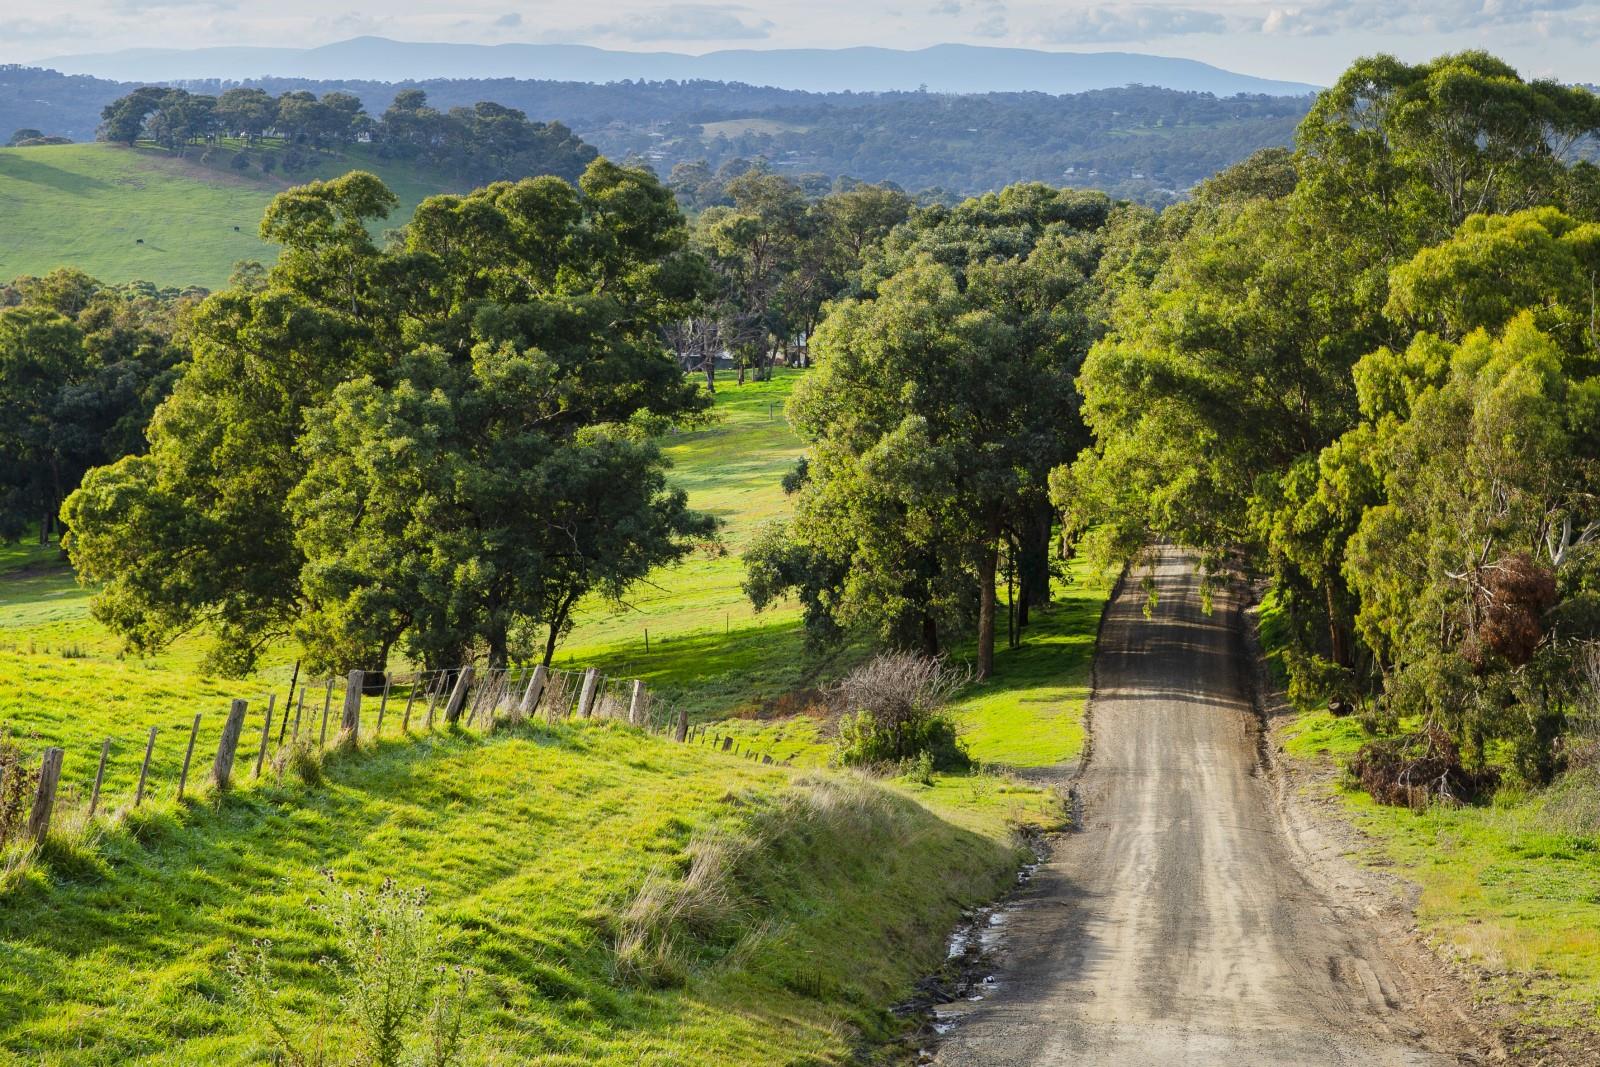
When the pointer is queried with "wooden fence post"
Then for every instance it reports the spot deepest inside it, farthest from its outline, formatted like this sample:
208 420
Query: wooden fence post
144 768
289 703
350 721
727 743
636 704
99 776
383 702
458 695
433 697
411 697
299 709
591 682
535 691
683 724
44 798
194 731
327 702
266 732
228 746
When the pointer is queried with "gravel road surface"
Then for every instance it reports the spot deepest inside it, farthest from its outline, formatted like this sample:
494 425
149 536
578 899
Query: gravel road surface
1176 926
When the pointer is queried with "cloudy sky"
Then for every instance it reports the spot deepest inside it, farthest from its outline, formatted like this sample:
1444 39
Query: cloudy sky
1309 41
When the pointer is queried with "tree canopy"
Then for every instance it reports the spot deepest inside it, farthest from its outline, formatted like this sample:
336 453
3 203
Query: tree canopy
439 445
1365 368
942 396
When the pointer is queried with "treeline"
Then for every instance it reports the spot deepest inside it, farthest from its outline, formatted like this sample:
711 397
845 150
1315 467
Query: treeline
478 144
1137 142
1370 367
778 251
59 105
1367 368
83 367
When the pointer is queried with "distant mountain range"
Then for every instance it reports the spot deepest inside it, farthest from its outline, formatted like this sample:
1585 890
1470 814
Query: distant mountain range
948 68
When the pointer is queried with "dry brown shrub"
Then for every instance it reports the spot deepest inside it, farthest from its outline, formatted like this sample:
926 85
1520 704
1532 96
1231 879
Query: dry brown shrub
1512 602
1417 769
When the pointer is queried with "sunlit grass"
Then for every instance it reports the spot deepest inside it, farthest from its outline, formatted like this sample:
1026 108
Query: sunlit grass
531 844
140 214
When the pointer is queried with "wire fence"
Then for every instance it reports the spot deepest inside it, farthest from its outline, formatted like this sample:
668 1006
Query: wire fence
256 736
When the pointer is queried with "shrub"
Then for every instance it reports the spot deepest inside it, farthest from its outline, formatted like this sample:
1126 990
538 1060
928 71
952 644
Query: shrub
17 783
302 758
1416 769
895 711
402 1006
240 161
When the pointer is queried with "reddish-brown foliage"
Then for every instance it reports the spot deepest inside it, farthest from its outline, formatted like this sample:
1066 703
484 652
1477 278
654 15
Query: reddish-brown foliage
1512 602
1415 769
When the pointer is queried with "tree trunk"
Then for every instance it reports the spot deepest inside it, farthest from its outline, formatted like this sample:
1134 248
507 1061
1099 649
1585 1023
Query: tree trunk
1033 561
1011 594
556 624
1338 647
930 634
711 374
987 565
499 650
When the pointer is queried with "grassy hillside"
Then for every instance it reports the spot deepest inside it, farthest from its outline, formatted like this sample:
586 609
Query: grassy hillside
539 847
782 909
90 205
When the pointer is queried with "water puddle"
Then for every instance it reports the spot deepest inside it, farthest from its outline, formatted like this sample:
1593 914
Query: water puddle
970 972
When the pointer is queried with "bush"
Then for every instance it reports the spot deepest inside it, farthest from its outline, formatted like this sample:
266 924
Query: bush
302 758
17 783
240 161
402 1007
895 712
1419 768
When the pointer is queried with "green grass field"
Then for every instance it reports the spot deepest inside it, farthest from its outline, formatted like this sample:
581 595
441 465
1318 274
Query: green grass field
90 205
537 843
533 844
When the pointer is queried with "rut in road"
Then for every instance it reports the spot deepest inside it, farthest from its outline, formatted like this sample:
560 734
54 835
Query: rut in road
1176 927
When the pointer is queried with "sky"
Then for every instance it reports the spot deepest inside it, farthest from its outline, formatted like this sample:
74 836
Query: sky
1310 41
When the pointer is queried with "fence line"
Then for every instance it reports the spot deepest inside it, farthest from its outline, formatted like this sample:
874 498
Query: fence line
481 699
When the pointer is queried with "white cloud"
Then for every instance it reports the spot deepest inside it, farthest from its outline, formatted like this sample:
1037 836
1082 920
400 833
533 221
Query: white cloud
1429 16
1128 23
688 22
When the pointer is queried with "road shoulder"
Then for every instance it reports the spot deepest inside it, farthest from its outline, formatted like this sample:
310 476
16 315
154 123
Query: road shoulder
1337 857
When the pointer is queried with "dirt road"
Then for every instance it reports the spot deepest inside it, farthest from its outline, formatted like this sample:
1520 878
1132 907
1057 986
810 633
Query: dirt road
1177 926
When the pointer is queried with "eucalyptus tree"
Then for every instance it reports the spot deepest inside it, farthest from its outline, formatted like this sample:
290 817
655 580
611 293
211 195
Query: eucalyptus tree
941 398
1232 338
436 445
